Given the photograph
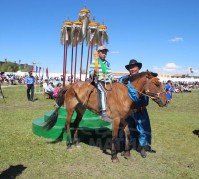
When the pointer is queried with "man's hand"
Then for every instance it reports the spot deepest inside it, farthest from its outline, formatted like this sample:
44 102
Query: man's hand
95 73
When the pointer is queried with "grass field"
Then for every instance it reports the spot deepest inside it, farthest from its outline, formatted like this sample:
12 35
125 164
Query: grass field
26 155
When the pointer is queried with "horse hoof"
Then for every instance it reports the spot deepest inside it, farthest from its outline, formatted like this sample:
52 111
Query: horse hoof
115 160
143 153
127 155
69 150
78 146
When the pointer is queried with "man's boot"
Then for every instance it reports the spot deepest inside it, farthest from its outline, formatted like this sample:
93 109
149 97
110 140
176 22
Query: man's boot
143 152
105 118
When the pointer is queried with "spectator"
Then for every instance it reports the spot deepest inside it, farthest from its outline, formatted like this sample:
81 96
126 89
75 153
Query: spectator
29 81
56 90
51 86
169 90
47 90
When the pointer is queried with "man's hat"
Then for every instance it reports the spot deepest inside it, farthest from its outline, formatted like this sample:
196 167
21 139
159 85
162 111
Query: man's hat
102 48
133 62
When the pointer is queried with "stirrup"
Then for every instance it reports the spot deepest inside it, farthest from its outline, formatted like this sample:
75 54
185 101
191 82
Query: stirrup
105 118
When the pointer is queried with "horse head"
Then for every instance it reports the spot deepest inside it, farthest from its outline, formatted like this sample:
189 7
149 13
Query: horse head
147 83
155 89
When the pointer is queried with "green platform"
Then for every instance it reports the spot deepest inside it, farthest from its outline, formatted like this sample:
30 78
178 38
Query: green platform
90 126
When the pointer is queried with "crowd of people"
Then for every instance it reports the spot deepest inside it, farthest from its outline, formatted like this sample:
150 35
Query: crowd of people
11 79
179 87
49 87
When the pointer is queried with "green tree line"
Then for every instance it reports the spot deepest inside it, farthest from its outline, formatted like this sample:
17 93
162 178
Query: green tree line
13 67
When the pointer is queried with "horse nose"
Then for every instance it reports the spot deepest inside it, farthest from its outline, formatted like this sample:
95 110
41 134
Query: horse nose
166 102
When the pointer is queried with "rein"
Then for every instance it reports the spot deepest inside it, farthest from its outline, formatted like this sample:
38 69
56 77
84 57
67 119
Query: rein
148 92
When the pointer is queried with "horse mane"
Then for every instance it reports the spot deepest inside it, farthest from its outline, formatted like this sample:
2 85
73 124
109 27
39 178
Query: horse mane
136 76
142 74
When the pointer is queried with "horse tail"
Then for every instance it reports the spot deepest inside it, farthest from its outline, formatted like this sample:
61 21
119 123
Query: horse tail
52 120
60 97
54 116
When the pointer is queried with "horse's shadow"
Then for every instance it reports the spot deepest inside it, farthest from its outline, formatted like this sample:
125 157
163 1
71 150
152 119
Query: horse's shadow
196 132
12 172
101 138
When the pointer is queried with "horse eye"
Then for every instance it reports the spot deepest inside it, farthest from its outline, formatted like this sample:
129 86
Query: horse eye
157 83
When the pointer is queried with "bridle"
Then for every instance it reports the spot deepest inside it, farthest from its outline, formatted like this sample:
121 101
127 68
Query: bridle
149 93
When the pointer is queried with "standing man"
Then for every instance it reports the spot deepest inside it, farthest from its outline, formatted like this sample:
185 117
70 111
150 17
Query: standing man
169 90
100 73
29 81
139 117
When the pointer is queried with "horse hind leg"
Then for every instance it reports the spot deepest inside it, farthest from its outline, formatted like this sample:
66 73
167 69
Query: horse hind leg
67 127
80 110
70 103
115 127
70 107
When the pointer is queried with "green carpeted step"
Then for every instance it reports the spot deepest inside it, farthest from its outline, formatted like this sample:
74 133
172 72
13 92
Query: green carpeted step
90 125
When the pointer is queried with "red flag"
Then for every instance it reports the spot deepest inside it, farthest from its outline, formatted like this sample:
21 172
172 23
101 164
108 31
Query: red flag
32 69
39 71
47 73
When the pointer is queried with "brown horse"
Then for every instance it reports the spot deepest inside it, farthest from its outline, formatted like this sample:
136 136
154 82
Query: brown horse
82 95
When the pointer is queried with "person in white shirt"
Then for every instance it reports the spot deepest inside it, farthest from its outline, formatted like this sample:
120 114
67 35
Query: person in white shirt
47 89
51 86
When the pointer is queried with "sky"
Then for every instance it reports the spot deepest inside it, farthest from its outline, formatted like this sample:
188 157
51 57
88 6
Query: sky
161 34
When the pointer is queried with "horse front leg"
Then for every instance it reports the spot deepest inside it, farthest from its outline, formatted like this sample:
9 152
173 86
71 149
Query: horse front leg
127 153
115 127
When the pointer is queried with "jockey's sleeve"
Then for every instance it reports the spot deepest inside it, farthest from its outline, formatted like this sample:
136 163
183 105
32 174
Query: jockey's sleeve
91 70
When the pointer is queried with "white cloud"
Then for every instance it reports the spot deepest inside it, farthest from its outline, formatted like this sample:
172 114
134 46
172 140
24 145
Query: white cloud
177 39
169 68
172 68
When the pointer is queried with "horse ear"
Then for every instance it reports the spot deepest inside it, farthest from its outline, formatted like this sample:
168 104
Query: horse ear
148 74
154 74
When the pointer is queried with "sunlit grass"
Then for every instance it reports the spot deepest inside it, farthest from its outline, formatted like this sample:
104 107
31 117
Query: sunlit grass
172 136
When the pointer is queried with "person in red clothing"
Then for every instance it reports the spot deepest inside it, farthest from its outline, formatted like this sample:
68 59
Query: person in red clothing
56 90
